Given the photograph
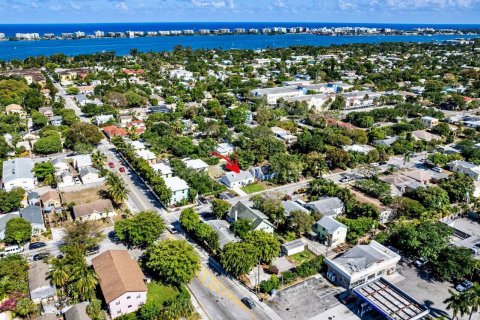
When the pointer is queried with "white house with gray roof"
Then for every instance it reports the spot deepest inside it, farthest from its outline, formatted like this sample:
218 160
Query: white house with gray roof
362 263
90 175
165 171
179 188
467 168
327 206
236 180
17 173
289 206
330 231
259 220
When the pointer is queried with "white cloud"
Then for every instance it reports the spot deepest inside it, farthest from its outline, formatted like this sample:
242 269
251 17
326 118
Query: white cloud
55 8
215 4
280 4
122 6
34 5
74 6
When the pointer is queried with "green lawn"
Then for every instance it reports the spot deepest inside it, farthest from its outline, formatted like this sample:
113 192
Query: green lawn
253 187
160 293
301 257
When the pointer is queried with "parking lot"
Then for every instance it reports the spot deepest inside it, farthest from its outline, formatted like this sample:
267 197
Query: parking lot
316 293
424 289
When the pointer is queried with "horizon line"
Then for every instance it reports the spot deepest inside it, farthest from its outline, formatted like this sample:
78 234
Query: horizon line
299 22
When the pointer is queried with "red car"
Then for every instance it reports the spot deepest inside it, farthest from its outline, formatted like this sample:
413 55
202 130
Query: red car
111 165
122 169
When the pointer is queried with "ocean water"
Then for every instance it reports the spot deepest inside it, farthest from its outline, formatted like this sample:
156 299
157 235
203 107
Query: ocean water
21 49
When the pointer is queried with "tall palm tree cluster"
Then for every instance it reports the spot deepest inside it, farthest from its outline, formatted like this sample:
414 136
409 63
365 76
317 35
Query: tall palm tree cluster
464 303
98 159
75 278
117 190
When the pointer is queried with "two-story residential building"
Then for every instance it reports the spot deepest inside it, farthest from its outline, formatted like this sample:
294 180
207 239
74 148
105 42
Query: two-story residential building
362 263
179 188
360 99
17 173
121 281
259 220
274 94
330 231
165 171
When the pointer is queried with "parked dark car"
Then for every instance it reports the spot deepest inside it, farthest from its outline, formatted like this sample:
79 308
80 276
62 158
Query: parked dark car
93 250
36 245
347 298
40 256
248 302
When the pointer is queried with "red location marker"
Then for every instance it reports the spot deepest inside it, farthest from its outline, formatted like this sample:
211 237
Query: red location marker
231 165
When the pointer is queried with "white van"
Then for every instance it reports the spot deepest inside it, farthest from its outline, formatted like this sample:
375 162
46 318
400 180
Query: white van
12 250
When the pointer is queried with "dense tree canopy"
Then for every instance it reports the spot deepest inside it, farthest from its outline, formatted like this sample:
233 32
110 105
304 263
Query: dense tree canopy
173 261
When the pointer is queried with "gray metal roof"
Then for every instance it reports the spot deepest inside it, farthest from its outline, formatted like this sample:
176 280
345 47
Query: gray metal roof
327 205
245 212
298 243
4 218
39 282
77 312
290 206
222 227
233 177
362 257
32 214
19 168
87 170
330 224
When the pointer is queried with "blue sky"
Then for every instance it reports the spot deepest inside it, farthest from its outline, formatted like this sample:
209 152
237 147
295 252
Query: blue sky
372 11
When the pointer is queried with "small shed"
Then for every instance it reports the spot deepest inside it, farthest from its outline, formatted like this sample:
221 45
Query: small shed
292 247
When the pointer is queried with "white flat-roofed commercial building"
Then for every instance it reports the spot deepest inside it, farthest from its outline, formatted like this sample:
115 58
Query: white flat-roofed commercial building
360 99
274 94
181 74
317 102
17 173
361 264
179 188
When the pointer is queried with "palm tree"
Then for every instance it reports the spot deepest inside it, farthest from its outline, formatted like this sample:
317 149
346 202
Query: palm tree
86 281
407 157
472 296
116 188
98 159
457 303
60 273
